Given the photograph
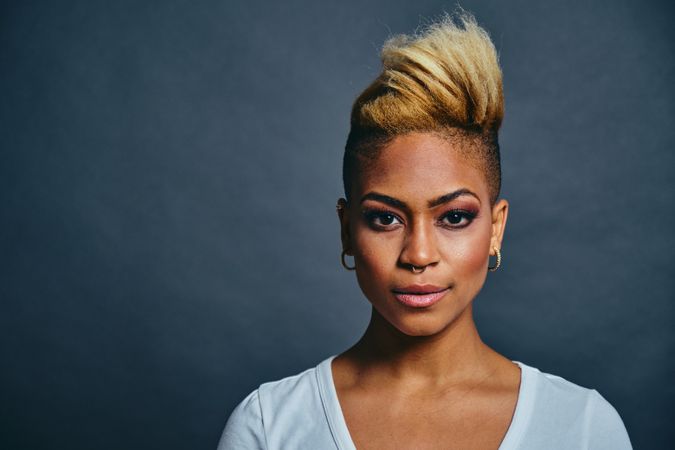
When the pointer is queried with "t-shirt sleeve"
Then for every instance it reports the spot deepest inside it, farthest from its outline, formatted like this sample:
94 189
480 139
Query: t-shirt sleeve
606 430
244 429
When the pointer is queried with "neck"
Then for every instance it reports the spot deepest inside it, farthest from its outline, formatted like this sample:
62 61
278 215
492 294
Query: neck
455 353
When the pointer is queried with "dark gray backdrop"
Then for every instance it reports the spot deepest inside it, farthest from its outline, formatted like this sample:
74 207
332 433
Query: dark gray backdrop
168 180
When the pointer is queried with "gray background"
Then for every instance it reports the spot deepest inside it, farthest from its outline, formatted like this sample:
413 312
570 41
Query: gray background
168 180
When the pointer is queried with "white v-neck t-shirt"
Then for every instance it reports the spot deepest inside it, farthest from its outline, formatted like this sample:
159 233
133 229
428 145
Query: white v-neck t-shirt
303 412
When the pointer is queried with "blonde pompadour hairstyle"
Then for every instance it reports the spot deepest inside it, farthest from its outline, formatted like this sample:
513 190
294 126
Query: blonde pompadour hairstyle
445 79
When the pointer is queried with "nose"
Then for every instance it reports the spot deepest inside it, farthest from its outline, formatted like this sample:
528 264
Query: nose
419 249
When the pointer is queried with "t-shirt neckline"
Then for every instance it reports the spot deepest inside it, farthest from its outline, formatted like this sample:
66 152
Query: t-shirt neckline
343 440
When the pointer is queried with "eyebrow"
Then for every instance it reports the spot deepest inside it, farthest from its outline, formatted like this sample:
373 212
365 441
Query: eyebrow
391 201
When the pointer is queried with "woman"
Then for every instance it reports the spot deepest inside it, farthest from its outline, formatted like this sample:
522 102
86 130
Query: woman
421 217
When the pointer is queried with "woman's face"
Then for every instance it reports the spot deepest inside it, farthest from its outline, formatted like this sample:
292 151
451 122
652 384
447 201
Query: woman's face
422 204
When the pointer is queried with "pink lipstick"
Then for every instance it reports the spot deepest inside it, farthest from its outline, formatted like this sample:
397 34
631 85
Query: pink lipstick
420 296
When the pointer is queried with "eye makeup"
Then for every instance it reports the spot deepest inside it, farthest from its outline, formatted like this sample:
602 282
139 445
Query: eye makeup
381 219
458 218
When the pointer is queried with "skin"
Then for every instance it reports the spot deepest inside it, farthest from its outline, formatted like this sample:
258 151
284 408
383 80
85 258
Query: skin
421 377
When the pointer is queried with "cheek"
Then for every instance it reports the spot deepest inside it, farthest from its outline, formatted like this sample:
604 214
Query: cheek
467 252
372 267
376 253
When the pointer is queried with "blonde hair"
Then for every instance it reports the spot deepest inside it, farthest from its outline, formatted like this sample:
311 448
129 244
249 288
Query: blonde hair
446 80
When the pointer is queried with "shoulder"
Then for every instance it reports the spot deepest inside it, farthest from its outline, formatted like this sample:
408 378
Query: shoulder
558 391
273 413
605 427
288 389
244 428
559 404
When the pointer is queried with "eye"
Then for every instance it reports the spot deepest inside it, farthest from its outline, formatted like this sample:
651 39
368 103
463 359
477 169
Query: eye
457 218
382 219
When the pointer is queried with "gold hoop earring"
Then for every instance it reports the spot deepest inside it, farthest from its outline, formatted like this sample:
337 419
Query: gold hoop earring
499 260
344 263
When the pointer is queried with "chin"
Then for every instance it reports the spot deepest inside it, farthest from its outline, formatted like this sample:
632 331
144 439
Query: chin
419 331
420 324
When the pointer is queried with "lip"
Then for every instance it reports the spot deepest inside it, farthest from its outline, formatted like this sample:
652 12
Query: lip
420 295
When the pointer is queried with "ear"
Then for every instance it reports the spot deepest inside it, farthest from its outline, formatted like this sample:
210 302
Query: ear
500 212
343 215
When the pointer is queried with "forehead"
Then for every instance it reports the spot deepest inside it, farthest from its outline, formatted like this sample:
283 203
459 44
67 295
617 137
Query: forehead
421 166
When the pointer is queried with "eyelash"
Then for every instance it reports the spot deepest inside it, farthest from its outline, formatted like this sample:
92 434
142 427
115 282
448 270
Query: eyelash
372 214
